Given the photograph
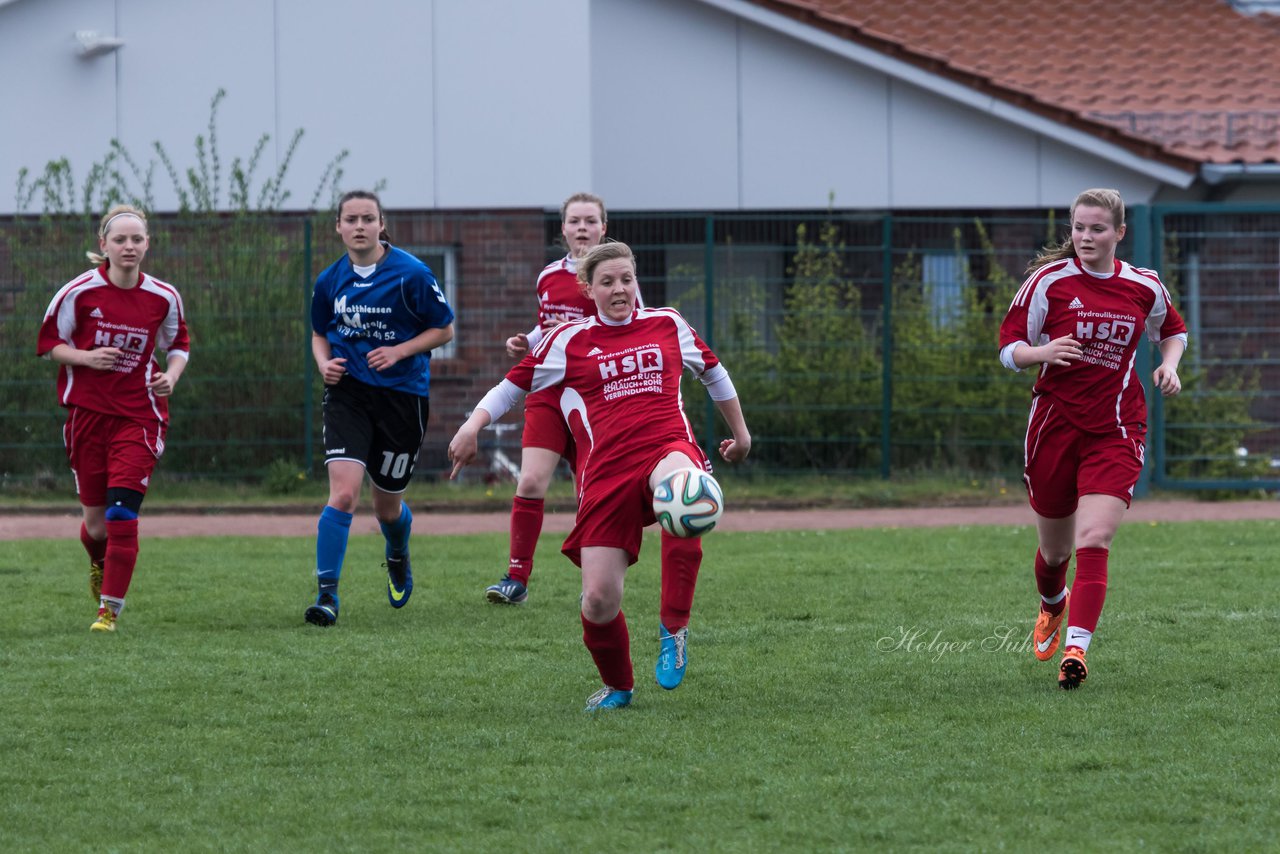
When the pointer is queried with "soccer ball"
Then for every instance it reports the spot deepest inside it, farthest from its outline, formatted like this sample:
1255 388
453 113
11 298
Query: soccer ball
688 502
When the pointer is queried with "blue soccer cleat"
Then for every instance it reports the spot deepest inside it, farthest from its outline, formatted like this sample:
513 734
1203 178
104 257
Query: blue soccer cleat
507 591
608 698
399 580
324 612
672 657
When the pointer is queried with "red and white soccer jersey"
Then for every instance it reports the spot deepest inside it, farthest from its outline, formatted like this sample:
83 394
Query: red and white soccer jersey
619 385
560 297
560 293
1100 393
90 312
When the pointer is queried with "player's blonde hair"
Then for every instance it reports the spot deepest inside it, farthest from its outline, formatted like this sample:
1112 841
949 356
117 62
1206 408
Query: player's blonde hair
1100 197
597 255
104 227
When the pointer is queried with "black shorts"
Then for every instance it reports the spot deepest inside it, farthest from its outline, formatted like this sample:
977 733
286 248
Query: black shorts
380 428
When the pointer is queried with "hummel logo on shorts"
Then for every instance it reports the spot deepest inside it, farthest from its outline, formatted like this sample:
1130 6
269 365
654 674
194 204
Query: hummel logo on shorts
1075 303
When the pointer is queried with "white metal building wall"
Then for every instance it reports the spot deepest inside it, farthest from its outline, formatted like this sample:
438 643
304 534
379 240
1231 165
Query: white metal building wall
655 104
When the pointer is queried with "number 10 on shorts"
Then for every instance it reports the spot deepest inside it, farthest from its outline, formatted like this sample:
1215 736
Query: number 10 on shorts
394 465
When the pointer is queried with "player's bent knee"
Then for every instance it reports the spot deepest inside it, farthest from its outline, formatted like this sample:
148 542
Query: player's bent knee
600 608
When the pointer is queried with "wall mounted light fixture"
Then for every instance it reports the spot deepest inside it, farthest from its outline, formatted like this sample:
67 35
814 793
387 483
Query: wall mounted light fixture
90 43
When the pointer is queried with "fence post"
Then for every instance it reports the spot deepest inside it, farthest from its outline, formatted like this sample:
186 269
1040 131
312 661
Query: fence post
886 344
708 323
308 361
1146 253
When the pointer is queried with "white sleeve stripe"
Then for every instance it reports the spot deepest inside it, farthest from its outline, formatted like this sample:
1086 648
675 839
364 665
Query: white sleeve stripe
499 399
551 370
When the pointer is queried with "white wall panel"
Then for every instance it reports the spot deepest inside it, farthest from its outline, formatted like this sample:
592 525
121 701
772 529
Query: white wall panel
664 105
360 82
655 104
812 125
513 101
174 61
53 103
945 155
1065 171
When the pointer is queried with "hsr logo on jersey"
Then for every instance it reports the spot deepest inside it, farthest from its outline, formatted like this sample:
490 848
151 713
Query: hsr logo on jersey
131 342
642 361
1116 331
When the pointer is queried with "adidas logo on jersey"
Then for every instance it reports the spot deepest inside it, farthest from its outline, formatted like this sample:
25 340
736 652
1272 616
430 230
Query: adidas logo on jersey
1075 303
595 351
97 312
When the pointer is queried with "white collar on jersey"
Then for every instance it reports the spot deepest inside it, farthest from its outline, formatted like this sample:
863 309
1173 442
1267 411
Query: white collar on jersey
607 322
1095 274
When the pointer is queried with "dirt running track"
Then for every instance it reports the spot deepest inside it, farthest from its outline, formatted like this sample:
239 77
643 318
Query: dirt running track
14 526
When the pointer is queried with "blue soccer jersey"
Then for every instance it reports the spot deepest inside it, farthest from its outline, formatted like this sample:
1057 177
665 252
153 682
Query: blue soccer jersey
398 301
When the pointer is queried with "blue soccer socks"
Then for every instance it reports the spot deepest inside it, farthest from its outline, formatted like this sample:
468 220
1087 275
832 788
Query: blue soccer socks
397 533
331 547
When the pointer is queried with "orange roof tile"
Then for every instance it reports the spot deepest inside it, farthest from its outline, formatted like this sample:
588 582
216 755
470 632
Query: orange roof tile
1183 81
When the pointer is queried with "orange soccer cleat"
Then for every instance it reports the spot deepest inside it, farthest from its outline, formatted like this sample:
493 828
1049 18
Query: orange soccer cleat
1073 671
1046 635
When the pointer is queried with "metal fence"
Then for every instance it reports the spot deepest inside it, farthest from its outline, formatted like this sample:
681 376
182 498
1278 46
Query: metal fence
861 344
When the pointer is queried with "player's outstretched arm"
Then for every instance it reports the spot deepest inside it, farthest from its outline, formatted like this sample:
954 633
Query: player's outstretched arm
464 444
734 450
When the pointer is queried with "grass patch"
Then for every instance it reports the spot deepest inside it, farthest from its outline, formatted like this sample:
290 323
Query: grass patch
749 490
846 690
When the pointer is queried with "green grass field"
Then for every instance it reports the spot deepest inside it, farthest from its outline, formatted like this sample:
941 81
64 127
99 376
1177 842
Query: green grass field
846 691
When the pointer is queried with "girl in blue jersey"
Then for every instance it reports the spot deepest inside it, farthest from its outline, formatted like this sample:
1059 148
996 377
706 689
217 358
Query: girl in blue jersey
376 315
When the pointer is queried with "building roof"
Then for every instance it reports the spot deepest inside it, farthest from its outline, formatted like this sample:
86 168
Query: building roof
1186 82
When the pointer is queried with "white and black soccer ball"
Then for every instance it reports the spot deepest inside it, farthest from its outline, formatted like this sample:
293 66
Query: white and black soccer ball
688 502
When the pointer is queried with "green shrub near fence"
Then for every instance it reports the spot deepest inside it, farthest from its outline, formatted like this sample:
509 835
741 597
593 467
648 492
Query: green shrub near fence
246 292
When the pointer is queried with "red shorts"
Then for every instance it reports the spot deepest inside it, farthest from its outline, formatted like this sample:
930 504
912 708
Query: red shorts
110 451
544 425
615 508
1064 462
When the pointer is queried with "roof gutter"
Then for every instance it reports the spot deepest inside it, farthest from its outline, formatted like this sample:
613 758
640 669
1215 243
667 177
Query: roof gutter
958 92
1222 173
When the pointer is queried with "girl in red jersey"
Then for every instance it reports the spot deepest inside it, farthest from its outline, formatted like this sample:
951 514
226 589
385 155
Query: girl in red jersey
546 438
1080 317
104 328
618 375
